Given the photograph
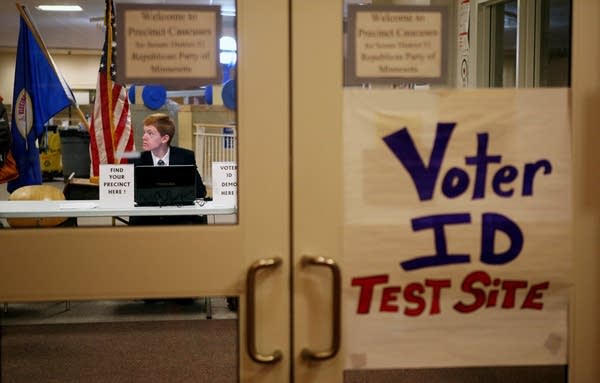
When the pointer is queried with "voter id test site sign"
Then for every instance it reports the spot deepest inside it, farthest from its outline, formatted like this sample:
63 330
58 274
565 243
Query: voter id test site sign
457 227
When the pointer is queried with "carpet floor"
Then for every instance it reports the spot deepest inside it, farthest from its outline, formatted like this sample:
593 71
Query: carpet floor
145 351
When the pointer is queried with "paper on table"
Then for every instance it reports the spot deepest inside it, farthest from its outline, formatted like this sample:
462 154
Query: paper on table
78 205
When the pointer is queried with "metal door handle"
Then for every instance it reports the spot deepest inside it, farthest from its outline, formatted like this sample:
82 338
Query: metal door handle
337 300
250 320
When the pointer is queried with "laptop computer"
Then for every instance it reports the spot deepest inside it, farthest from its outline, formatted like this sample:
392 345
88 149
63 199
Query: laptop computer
171 185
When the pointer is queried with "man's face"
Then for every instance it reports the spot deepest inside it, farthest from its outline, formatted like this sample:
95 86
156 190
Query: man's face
152 138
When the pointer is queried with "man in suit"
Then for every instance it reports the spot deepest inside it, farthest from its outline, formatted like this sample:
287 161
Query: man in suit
159 130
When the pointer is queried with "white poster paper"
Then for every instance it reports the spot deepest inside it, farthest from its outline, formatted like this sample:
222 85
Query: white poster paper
464 19
457 227
224 183
117 185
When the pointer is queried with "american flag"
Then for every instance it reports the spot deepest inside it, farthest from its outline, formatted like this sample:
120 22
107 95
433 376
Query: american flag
111 133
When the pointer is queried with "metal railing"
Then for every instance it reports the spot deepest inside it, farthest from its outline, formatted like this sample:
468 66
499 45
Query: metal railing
214 143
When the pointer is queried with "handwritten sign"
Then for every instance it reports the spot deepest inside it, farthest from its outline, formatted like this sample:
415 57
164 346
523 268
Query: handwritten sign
116 185
457 232
173 45
391 44
224 183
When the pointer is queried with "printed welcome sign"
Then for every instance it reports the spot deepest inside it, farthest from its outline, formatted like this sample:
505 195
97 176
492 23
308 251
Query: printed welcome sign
457 228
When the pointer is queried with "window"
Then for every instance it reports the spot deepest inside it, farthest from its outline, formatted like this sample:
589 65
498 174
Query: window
524 44
503 50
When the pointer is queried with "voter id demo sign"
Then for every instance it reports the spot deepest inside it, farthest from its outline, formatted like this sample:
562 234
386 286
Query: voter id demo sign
224 183
116 185
396 45
457 228
172 45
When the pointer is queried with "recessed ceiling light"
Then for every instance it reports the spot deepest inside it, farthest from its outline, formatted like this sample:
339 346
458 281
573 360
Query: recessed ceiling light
60 8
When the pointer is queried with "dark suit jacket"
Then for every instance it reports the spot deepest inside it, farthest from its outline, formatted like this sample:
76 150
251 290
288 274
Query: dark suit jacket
177 156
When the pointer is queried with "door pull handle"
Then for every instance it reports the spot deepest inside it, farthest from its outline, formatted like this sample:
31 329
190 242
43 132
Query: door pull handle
336 309
251 317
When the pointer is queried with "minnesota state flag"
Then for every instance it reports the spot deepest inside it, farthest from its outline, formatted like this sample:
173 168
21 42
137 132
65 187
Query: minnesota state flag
39 93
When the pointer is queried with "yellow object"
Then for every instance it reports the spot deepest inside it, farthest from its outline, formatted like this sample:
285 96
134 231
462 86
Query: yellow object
36 193
51 159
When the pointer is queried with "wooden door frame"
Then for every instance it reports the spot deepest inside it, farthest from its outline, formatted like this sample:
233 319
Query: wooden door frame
177 261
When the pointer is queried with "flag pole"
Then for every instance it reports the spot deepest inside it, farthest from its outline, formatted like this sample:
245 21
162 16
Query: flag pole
25 15
108 22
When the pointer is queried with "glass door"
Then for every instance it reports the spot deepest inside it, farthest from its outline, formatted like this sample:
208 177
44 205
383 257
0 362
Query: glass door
147 263
334 232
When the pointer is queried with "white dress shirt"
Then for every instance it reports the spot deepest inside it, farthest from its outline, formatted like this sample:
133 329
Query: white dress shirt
165 158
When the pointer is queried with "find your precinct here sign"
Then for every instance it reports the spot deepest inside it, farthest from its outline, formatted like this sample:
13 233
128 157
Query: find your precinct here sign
457 231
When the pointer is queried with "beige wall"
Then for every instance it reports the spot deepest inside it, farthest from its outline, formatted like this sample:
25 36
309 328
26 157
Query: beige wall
80 70
7 76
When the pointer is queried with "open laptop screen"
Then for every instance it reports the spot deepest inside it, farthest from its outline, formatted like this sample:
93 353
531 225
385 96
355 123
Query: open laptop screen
165 185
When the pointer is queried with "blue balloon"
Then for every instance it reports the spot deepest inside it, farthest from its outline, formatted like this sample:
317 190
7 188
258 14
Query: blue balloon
154 96
208 94
132 94
229 94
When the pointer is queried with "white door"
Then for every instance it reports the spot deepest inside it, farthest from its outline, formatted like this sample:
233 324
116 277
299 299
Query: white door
102 263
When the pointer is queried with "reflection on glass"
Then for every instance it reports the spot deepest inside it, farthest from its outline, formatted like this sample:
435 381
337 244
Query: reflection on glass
491 43
503 52
555 43
204 114
162 340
